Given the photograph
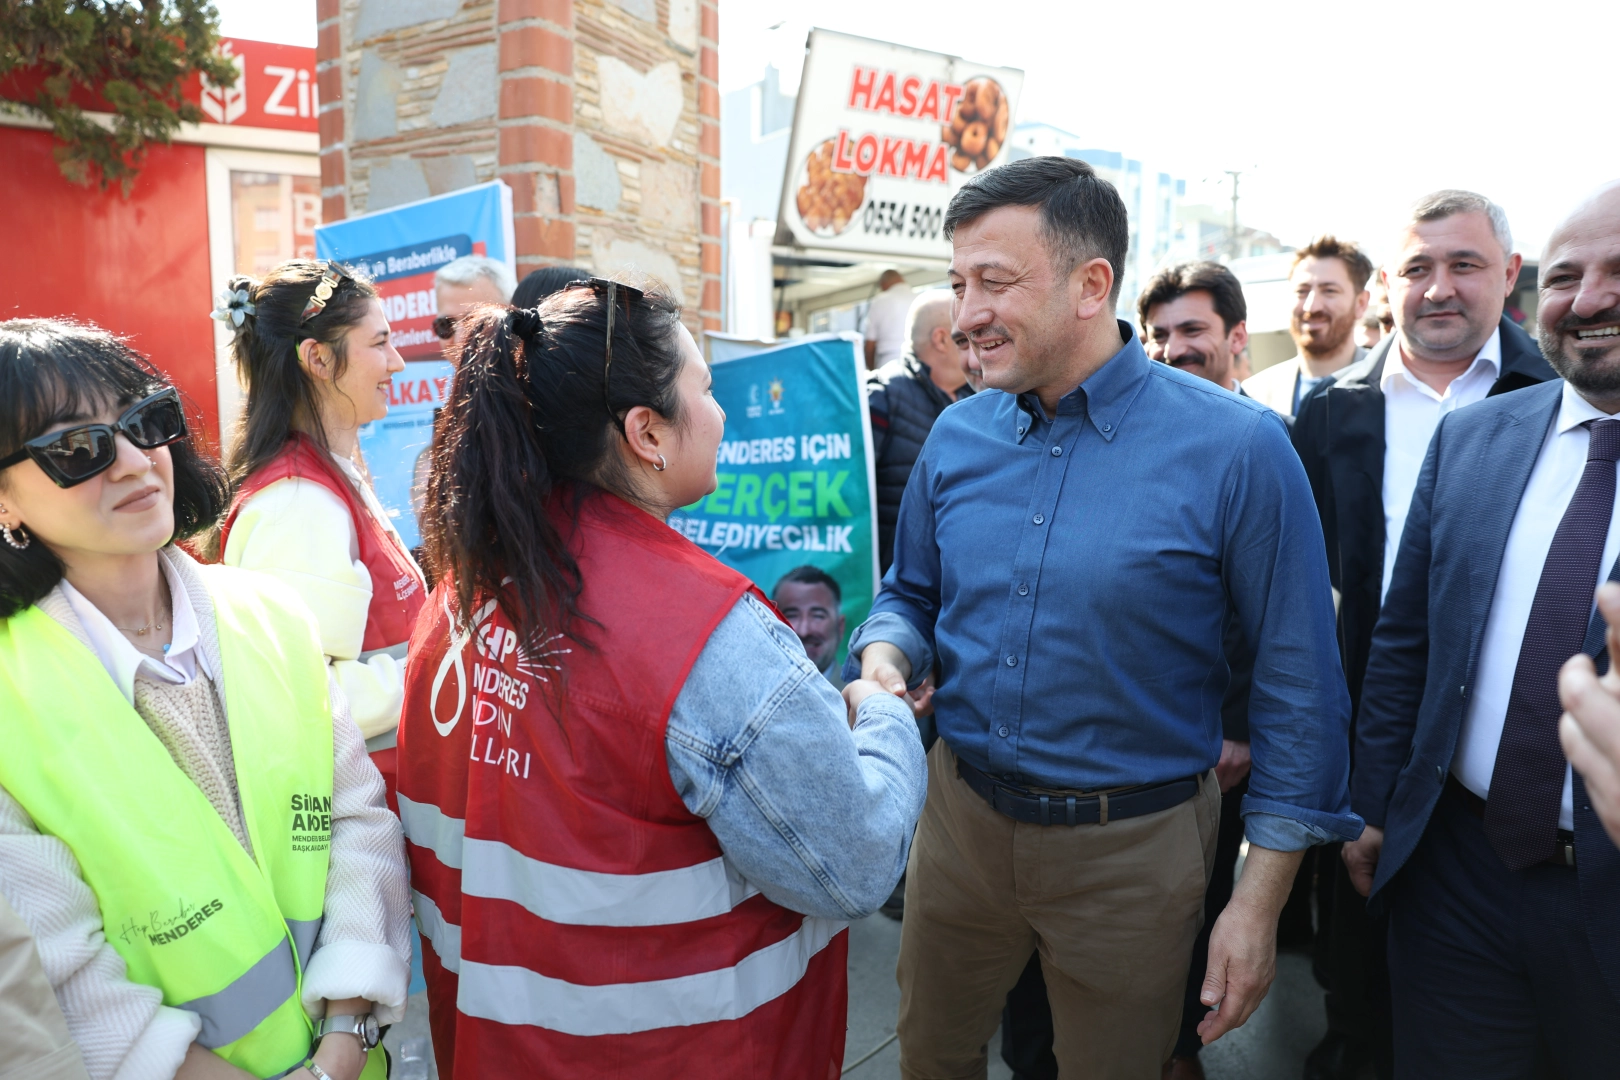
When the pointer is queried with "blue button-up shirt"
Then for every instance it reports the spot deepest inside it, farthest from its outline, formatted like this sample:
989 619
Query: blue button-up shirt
1072 577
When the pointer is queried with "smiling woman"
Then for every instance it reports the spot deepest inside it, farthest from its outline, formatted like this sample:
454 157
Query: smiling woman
172 869
312 347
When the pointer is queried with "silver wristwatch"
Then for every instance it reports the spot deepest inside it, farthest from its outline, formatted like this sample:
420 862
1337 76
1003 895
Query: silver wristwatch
363 1028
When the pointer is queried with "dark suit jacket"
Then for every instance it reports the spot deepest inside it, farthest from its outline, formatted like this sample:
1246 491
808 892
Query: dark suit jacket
1339 434
1426 646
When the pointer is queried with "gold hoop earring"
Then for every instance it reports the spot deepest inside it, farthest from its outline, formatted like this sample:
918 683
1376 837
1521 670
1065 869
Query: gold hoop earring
662 464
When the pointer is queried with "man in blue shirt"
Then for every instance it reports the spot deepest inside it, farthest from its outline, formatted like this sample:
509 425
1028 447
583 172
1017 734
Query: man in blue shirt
1068 552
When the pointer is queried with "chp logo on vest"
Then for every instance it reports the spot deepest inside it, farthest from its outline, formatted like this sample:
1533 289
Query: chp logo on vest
448 697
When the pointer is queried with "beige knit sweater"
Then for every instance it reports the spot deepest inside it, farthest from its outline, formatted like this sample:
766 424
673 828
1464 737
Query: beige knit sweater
123 1030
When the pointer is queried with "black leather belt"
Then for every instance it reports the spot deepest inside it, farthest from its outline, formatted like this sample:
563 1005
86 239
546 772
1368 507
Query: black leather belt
1563 846
1035 809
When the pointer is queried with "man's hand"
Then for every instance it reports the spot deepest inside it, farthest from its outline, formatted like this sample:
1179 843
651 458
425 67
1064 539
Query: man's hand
921 699
1361 858
1233 766
887 666
1243 945
1590 728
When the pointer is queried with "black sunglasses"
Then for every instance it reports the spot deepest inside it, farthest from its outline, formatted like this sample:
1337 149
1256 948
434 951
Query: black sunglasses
612 289
75 455
444 326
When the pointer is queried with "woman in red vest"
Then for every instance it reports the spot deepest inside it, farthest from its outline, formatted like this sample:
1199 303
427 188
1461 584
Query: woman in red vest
312 348
637 816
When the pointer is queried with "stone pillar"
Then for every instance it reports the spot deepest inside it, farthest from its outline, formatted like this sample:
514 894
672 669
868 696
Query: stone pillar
601 115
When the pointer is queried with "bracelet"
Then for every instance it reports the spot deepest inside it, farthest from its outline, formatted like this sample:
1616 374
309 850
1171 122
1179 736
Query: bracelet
316 1071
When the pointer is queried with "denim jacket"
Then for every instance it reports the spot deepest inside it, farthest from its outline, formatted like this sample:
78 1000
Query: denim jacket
817 816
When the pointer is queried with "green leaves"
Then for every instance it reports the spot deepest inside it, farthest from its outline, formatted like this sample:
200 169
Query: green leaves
137 55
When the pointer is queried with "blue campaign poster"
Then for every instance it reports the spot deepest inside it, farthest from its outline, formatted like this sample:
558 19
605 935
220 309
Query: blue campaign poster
795 475
401 248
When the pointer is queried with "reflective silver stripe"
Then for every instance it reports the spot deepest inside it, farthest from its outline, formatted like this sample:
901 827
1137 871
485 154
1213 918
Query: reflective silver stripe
515 995
383 741
562 894
444 936
429 827
396 651
304 932
243 1005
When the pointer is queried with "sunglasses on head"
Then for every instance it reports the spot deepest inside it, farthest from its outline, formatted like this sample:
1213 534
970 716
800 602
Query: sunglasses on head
78 453
611 288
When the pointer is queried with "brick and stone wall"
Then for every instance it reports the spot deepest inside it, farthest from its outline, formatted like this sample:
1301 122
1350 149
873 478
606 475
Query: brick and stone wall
601 115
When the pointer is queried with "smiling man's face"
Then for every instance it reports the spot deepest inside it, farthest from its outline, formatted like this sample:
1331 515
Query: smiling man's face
1010 300
1579 309
1188 333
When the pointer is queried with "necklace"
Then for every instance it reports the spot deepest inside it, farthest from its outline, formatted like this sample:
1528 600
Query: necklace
142 631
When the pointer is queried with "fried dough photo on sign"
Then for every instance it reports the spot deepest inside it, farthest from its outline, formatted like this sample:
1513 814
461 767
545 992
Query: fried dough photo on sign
979 127
828 201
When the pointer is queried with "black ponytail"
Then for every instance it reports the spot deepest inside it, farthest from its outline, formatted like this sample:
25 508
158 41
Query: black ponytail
528 412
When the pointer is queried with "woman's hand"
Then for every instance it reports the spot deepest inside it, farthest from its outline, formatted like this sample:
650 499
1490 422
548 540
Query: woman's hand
857 692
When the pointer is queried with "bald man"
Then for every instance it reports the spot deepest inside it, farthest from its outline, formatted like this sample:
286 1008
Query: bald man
906 395
1501 884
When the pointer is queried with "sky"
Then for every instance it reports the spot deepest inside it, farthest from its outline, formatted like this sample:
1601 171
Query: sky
1340 115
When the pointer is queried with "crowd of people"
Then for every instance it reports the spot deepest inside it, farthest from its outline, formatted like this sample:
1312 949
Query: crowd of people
1139 613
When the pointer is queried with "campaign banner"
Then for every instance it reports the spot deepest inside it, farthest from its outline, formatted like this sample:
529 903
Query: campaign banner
883 136
795 474
401 248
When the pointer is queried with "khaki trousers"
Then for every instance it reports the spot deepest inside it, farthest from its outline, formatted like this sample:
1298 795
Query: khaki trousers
1113 910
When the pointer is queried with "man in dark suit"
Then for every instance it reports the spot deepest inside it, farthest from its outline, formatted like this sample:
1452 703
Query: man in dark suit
1362 436
1501 886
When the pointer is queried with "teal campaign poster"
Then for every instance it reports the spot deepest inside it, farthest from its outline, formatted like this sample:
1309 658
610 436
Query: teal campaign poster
795 470
400 249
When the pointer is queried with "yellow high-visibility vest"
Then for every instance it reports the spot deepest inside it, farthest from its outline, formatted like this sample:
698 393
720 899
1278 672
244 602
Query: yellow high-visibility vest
220 933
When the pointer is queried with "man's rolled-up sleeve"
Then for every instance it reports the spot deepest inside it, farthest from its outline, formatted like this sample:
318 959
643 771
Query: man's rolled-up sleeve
907 606
1275 565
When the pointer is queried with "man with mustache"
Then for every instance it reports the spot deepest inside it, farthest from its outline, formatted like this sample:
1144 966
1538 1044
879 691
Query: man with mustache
1194 317
1362 436
1500 884
1329 280
1071 550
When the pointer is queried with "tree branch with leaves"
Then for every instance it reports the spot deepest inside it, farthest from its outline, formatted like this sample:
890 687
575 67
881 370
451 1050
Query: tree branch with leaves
138 56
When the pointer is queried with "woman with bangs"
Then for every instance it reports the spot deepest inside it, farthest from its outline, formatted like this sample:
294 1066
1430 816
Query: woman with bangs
189 824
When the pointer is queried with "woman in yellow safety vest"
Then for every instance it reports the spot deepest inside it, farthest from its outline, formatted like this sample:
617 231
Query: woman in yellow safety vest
189 823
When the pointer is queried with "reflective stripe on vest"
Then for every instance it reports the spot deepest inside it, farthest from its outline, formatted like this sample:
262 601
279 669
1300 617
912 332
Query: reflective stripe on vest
220 933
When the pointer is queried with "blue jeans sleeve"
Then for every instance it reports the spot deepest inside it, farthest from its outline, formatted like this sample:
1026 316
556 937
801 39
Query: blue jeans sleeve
817 817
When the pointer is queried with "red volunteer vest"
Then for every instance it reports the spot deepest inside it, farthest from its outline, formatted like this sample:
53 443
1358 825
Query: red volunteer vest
397 589
579 921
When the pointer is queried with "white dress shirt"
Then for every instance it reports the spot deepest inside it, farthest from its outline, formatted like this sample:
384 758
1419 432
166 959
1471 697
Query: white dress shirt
1412 410
1552 485
123 660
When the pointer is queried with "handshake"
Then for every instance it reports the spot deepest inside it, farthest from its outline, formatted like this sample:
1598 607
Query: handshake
884 670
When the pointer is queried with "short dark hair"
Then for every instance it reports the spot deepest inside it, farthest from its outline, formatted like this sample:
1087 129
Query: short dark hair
1082 215
539 284
1328 246
51 369
809 575
1225 291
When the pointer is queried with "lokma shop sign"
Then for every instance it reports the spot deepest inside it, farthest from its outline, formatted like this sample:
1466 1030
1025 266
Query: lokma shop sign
883 136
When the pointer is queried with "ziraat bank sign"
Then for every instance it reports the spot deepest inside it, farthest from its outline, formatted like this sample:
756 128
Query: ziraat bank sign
275 87
883 136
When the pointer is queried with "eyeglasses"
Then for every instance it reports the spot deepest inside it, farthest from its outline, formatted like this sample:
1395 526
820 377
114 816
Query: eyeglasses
612 289
323 291
444 327
73 456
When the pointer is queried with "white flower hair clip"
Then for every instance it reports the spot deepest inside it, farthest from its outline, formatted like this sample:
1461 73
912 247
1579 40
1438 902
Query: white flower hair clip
232 307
